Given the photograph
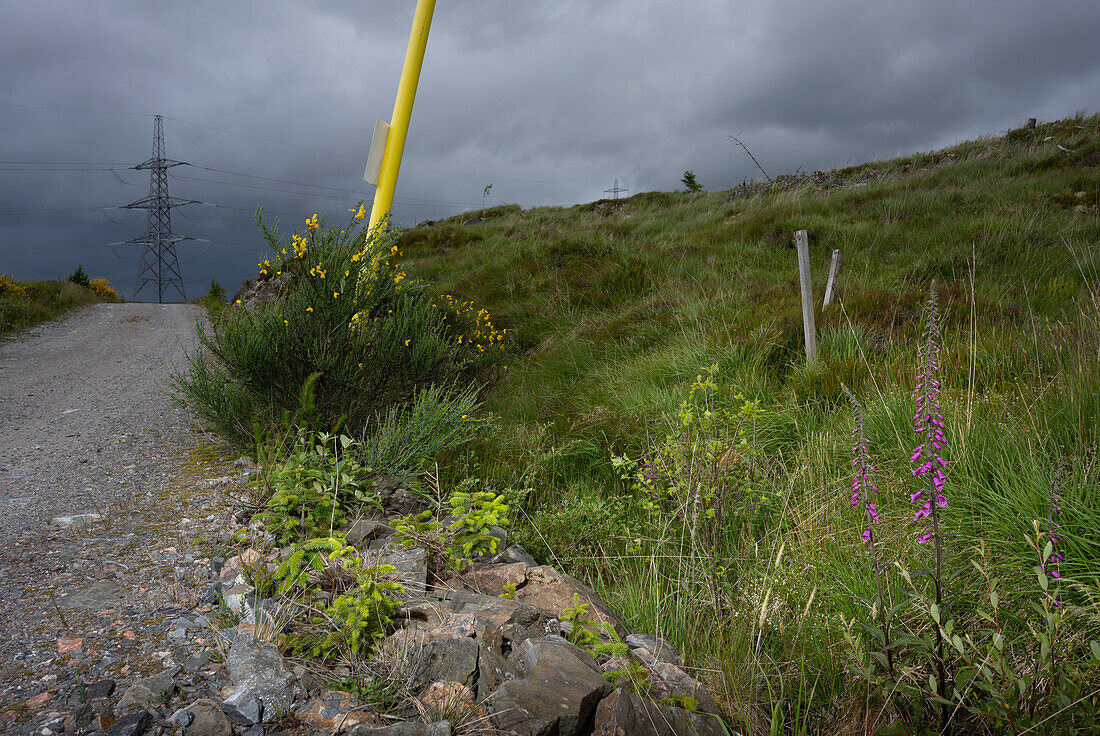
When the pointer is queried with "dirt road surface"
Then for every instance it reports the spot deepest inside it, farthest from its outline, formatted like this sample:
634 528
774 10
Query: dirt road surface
86 427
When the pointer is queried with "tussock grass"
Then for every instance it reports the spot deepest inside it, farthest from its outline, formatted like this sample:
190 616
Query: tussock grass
613 307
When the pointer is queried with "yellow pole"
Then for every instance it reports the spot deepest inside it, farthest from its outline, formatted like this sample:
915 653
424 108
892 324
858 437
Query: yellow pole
402 111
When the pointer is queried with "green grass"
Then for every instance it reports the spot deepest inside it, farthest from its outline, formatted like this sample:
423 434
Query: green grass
43 301
612 308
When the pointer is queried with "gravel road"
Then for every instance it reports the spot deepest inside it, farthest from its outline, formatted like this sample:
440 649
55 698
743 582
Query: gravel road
73 394
85 426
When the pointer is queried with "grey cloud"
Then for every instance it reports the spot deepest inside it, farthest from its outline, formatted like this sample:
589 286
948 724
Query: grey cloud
549 101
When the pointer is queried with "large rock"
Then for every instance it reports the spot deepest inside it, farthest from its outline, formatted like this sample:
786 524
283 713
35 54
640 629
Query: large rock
397 500
203 718
670 681
492 670
411 564
363 532
333 710
655 648
255 294
553 591
257 670
498 623
100 596
490 579
405 728
559 692
625 714
514 554
450 660
148 694
78 521
131 724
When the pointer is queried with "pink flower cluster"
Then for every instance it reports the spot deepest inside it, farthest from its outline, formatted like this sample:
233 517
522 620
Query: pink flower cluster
861 462
928 423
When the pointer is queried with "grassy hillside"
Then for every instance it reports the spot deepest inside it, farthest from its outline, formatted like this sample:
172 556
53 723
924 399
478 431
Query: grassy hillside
614 308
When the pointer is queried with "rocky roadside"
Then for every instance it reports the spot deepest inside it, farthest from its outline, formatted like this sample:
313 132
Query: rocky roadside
486 651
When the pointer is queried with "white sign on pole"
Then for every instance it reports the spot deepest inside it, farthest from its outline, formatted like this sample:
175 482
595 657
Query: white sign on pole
377 152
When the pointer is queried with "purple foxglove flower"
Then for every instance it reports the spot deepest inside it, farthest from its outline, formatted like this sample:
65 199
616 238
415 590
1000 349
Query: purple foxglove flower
928 424
1055 510
861 479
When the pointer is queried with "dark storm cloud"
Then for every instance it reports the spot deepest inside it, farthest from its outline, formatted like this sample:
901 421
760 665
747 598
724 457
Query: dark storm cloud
548 101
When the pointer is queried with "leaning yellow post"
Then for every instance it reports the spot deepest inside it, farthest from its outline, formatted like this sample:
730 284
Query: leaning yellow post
402 111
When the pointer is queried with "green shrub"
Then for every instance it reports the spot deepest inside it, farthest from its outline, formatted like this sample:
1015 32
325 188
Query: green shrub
347 314
363 602
468 535
79 277
313 487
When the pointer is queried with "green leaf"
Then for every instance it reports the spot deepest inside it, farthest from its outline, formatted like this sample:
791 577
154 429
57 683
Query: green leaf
1095 647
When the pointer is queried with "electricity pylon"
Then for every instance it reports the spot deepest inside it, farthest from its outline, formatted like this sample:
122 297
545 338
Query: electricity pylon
159 264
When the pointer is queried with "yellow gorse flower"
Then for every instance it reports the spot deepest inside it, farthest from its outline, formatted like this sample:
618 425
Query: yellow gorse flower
360 213
311 223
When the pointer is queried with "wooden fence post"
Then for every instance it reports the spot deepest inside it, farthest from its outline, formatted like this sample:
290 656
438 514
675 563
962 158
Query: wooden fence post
802 242
830 285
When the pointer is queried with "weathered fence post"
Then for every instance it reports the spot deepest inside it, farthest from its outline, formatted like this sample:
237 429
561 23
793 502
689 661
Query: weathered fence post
1030 124
830 285
802 242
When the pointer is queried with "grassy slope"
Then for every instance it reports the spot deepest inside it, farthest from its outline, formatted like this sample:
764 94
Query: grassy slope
614 307
45 300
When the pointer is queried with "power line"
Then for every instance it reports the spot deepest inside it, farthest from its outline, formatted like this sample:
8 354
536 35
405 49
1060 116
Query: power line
408 201
40 168
354 157
70 163
59 210
74 109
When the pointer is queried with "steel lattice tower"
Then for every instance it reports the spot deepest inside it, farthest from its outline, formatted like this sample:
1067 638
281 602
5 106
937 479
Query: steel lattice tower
159 264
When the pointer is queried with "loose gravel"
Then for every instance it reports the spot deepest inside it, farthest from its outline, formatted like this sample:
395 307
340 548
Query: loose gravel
87 428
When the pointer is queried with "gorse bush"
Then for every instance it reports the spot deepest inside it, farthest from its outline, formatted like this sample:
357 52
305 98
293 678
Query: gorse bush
347 314
102 288
9 287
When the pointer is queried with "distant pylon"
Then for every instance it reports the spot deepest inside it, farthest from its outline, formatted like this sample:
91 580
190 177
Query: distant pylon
615 190
159 264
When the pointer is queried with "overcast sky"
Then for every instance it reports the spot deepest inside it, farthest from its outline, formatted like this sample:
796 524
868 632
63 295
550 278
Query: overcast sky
549 101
